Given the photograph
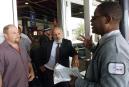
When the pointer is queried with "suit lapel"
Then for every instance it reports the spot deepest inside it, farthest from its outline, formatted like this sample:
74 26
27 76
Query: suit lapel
61 48
49 48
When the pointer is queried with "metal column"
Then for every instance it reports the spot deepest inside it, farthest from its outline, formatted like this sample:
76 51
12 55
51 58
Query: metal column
87 15
124 27
61 15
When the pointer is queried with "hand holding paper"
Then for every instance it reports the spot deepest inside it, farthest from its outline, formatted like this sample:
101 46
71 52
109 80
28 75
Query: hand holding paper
62 73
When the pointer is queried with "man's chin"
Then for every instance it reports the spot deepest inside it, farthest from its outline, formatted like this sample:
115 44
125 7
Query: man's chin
17 41
93 31
58 41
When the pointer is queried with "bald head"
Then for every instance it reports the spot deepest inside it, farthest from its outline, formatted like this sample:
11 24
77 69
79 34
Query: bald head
57 34
7 27
11 33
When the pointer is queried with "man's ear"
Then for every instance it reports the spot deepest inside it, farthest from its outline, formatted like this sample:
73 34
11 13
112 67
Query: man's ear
108 19
5 35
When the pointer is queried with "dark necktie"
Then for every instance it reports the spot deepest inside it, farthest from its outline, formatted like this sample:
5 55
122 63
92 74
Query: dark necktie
57 52
97 44
96 47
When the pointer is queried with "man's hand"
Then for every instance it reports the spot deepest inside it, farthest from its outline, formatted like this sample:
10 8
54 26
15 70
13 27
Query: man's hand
87 41
75 61
42 68
0 80
31 76
72 81
31 72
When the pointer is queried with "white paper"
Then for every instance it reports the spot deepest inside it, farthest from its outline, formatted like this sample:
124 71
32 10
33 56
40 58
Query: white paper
62 73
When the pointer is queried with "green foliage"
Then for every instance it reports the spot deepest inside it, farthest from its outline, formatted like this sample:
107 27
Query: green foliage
79 31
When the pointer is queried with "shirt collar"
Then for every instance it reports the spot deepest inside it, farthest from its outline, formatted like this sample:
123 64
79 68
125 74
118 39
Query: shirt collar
108 35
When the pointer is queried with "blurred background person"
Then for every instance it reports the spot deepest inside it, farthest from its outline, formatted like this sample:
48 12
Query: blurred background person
25 40
46 37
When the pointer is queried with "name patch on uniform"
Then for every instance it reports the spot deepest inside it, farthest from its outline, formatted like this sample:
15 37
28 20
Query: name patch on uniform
116 68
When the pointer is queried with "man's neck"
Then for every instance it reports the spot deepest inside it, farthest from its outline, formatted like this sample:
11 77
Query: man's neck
14 45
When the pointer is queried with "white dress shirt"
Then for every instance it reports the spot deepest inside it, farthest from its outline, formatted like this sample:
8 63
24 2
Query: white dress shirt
51 63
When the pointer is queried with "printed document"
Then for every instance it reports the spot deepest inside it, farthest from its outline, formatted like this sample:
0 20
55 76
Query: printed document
62 73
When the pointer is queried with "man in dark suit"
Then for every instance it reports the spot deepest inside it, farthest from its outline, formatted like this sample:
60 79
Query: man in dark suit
48 57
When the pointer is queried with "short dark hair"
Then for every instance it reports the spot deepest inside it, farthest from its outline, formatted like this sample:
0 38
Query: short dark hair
112 9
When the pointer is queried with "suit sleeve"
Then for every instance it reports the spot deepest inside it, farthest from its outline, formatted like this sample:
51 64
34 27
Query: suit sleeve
36 55
72 49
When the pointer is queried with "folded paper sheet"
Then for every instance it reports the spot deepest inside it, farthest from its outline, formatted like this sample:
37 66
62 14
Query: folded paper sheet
62 73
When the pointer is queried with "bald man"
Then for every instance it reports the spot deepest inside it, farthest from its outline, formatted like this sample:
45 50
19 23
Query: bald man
49 58
15 65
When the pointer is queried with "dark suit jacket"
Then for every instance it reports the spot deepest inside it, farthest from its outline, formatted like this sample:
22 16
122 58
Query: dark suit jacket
66 50
43 39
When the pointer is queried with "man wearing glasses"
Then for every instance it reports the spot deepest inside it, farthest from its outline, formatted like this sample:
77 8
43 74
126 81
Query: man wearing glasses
110 64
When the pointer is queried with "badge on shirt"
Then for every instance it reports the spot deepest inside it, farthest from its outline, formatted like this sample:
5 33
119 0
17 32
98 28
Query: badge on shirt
116 68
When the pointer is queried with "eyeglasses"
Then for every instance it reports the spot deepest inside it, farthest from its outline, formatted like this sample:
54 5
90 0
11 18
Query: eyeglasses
95 17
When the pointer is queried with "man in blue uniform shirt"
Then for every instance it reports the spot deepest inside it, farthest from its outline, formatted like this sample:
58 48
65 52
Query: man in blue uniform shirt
110 64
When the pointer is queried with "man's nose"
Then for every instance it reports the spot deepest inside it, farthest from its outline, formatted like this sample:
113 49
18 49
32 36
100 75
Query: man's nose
91 20
56 35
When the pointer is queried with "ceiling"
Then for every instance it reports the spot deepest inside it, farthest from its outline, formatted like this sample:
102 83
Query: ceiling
42 9
45 9
106 0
